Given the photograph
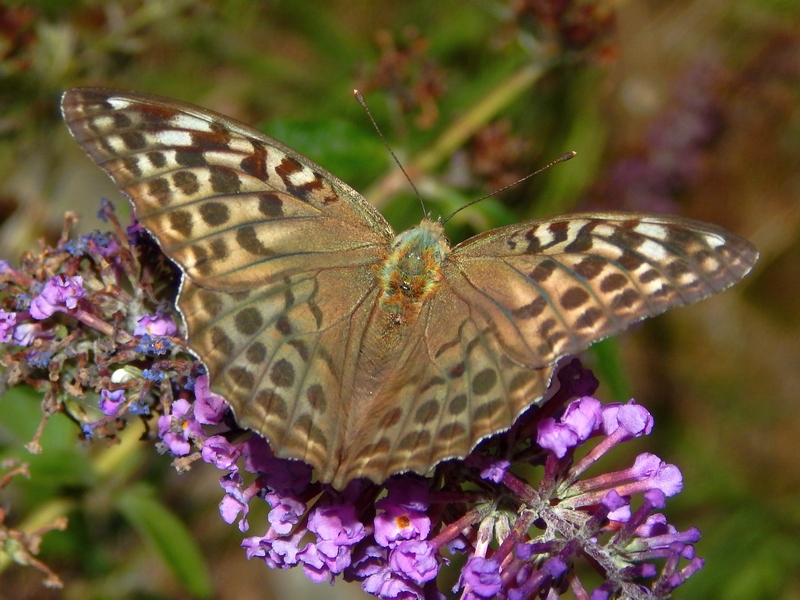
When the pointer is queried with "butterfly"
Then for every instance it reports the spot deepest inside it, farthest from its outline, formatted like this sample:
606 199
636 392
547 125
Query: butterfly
360 351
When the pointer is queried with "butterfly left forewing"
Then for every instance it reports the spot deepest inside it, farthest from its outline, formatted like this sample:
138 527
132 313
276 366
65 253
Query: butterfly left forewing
557 285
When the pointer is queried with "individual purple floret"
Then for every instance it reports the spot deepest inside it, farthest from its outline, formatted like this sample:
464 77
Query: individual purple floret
179 427
59 293
101 244
403 516
237 499
221 453
415 559
208 407
495 470
26 333
581 419
158 325
110 401
157 346
481 577
286 512
337 530
154 375
8 321
633 419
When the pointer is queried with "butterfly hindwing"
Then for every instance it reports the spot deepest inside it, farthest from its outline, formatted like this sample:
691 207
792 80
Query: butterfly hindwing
453 386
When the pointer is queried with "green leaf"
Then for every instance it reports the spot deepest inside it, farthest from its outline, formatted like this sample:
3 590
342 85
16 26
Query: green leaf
62 463
609 369
588 135
168 536
350 153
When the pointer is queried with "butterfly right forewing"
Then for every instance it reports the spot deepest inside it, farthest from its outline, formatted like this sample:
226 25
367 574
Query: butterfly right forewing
222 198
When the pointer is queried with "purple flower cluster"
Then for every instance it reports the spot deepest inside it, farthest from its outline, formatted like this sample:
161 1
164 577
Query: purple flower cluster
518 540
67 314
384 544
61 293
177 426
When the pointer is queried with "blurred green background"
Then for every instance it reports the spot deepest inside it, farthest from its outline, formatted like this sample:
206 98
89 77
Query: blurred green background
688 106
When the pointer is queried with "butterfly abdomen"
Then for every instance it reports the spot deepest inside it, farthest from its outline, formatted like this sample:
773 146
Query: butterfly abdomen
412 271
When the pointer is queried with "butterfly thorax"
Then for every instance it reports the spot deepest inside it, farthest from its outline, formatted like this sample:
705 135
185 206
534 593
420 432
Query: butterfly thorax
412 271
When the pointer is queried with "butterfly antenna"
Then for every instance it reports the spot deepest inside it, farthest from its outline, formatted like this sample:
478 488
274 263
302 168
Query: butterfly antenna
560 159
363 103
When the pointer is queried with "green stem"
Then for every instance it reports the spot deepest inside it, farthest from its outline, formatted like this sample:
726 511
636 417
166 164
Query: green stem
480 114
459 132
43 517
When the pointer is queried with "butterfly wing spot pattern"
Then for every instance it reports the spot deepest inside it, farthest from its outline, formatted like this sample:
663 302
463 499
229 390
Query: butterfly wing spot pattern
360 352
